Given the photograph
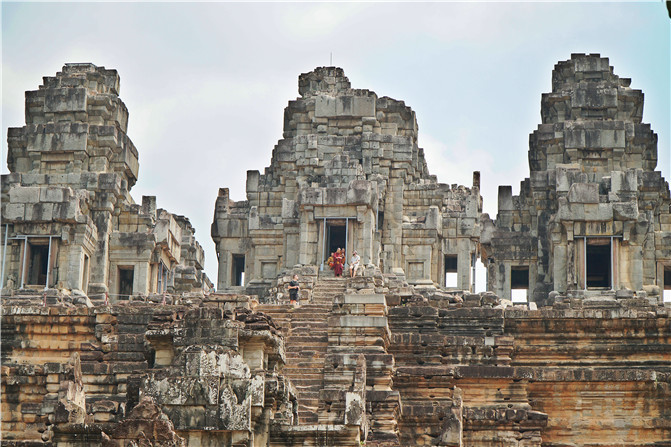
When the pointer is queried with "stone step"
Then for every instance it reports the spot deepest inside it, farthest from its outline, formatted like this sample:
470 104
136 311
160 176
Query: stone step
310 370
311 362
314 340
314 386
307 353
306 343
307 417
313 346
310 326
320 323
310 379
310 316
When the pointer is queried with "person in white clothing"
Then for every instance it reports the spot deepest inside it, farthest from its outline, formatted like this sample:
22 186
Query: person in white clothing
354 264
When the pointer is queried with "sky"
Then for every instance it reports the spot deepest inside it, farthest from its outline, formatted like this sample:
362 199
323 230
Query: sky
206 84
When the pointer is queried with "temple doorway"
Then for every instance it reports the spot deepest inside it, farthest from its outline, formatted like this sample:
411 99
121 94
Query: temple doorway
336 236
599 261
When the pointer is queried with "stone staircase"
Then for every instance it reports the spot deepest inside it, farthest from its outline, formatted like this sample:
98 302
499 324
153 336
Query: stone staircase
327 289
306 338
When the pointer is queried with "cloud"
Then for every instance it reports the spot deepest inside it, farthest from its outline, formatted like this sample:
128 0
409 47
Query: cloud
307 21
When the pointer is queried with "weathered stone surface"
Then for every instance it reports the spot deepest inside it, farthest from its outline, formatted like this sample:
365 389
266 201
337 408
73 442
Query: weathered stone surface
71 221
587 162
403 354
348 172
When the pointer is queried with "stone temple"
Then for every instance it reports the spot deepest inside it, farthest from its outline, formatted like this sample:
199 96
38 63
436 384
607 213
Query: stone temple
113 336
69 220
348 173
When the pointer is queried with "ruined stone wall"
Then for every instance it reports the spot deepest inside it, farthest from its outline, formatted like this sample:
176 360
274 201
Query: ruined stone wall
436 370
568 374
75 375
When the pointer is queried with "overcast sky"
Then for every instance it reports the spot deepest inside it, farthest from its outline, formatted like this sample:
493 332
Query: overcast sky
206 84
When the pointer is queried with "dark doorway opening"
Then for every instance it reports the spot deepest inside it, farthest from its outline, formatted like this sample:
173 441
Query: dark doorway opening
519 283
238 272
39 263
336 237
598 262
451 278
126 277
519 277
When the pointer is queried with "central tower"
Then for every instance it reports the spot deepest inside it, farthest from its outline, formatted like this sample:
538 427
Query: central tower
348 173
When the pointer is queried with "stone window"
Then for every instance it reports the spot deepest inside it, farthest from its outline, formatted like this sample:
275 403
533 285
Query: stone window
598 262
126 277
238 270
451 276
667 283
38 263
162 280
519 283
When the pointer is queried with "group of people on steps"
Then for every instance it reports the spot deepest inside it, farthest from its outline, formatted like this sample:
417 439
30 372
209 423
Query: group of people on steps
336 262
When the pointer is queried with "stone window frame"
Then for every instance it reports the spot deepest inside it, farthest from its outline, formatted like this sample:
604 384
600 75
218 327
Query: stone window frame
581 257
119 269
162 279
666 285
243 277
52 251
516 297
454 272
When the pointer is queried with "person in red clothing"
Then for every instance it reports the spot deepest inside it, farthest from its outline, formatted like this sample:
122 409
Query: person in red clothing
338 261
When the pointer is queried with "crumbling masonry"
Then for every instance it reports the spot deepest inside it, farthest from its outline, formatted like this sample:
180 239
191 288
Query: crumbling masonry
571 345
69 221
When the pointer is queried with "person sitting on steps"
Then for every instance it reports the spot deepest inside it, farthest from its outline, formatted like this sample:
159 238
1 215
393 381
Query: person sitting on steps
354 264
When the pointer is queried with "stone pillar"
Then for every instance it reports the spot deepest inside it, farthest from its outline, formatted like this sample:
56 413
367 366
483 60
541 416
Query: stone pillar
463 264
559 270
223 280
304 255
141 278
503 280
74 266
366 222
393 216
100 259
636 267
